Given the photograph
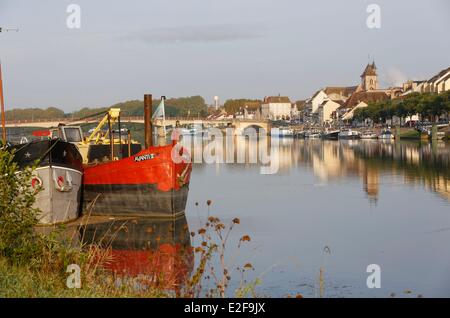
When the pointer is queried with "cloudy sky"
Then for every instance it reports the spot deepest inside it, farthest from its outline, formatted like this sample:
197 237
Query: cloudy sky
233 48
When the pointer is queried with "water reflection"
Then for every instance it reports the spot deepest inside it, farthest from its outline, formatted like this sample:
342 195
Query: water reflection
426 164
371 210
157 249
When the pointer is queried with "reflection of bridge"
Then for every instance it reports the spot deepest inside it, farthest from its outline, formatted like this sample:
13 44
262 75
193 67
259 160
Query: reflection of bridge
239 124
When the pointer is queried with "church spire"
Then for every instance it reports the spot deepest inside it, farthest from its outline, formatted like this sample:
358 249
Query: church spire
369 78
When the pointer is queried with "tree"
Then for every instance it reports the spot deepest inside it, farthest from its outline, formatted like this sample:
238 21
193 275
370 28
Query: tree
232 106
410 105
446 102
18 240
400 110
423 104
436 106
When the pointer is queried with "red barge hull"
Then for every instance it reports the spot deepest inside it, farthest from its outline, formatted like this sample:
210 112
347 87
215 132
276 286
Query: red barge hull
148 183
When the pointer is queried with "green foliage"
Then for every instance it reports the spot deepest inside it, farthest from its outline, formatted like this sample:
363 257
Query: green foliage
428 105
18 241
193 106
233 105
34 113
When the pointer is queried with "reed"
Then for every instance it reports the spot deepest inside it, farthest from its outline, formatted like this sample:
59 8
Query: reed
33 262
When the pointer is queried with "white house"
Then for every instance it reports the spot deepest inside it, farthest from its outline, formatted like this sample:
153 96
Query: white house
312 105
326 109
349 114
439 83
443 84
276 107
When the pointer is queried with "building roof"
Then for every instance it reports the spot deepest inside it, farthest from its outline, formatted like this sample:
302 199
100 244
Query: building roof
340 102
446 77
252 105
371 70
439 75
276 99
300 104
367 97
344 91
316 93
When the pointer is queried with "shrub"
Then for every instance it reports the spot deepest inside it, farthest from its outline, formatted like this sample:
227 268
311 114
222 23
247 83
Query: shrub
18 241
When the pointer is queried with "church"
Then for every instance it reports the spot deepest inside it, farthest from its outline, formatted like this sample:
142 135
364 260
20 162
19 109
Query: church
329 104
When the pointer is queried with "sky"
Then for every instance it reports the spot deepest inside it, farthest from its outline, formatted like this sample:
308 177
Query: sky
232 49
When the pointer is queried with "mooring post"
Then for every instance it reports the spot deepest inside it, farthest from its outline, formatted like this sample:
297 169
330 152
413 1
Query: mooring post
434 132
129 142
397 132
2 102
148 127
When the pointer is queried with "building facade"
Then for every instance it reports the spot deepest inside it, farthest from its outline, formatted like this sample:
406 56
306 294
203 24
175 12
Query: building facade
327 111
369 78
276 108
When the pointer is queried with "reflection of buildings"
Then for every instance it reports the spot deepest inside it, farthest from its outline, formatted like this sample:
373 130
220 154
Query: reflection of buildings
419 164
371 183
427 164
242 151
157 250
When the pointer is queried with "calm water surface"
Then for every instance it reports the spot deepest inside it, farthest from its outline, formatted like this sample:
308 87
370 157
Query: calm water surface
365 202
370 202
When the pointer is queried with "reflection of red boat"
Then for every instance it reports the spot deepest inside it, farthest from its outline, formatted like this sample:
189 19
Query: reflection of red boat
158 252
147 183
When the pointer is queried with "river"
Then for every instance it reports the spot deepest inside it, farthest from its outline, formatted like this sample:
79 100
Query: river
338 207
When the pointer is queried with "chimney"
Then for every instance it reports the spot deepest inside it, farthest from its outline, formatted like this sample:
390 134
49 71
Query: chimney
148 129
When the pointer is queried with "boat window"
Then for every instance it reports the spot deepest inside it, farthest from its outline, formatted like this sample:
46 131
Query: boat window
72 134
55 133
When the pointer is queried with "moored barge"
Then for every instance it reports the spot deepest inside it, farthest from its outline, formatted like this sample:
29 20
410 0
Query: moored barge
122 179
148 183
58 177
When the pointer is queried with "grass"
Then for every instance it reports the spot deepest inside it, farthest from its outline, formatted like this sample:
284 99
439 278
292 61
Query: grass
34 264
410 134
46 276
23 282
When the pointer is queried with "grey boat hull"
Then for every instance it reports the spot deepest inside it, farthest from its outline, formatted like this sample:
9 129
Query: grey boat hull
59 199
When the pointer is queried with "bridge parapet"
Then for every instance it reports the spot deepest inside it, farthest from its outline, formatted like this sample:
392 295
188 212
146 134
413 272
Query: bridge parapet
238 124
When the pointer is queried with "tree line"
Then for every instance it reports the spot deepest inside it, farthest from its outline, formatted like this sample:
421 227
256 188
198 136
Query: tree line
430 106
193 106
232 106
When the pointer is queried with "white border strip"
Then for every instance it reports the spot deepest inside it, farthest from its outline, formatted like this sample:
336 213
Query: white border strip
59 167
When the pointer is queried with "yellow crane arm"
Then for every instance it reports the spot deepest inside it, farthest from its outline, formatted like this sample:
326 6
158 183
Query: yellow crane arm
113 114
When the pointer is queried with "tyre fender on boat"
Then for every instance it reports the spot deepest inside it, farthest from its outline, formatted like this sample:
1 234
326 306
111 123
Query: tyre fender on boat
63 183
36 183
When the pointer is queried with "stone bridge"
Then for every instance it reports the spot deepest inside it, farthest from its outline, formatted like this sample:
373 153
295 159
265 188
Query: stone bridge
239 124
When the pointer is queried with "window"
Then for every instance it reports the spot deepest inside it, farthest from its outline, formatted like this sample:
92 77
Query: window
72 134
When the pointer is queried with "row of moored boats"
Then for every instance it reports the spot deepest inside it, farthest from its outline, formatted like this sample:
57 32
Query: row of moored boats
335 134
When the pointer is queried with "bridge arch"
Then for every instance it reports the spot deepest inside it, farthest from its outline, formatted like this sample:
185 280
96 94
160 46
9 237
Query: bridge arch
254 128
241 126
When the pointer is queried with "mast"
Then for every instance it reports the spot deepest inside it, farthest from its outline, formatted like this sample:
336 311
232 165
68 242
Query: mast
148 127
163 98
2 102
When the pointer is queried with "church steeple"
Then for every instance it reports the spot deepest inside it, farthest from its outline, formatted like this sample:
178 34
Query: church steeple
369 78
